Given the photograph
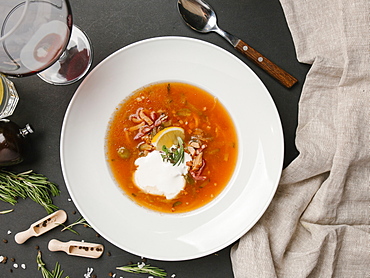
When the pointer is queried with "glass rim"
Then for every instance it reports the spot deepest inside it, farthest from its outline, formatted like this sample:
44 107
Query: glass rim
3 37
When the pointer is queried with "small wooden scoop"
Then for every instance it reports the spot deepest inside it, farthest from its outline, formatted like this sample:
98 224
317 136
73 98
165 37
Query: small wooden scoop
42 226
77 248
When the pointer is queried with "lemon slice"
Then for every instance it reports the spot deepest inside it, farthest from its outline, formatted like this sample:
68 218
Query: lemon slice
168 137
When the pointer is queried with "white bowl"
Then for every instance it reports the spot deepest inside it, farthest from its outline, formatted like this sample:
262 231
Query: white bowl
164 236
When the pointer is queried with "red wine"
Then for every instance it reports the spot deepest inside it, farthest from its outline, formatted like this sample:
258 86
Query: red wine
39 39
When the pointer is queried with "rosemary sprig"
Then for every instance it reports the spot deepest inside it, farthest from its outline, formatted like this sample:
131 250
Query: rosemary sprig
80 221
144 268
175 155
6 211
55 273
28 184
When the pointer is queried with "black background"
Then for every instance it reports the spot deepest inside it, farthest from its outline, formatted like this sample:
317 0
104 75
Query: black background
111 25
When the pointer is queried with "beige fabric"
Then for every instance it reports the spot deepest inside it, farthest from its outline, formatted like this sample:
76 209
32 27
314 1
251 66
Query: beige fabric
318 224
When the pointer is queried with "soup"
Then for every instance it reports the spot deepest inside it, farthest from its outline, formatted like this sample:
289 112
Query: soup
172 147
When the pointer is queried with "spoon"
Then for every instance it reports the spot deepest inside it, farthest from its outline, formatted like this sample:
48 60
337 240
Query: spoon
199 16
42 226
77 248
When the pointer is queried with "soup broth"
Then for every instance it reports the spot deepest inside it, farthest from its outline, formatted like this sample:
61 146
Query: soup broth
209 139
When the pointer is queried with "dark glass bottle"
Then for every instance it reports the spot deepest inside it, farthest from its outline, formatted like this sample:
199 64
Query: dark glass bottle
12 142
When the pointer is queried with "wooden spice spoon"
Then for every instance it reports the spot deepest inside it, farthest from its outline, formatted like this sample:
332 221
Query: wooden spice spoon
77 248
42 226
199 16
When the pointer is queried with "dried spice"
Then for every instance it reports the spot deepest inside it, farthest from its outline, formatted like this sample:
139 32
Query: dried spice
56 273
144 268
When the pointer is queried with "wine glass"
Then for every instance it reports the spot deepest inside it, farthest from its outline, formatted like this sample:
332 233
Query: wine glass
37 36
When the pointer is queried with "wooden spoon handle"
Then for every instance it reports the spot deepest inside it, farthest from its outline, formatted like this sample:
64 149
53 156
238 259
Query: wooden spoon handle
21 237
56 245
275 71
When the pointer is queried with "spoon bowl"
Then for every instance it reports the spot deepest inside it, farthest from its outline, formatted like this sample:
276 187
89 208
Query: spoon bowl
199 16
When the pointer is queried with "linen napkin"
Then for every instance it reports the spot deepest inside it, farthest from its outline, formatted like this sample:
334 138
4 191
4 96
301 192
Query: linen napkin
318 224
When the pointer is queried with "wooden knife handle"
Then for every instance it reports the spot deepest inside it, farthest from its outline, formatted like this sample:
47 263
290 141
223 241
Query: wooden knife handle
275 71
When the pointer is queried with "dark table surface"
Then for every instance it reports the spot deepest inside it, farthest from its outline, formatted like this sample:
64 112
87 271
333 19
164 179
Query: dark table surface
111 25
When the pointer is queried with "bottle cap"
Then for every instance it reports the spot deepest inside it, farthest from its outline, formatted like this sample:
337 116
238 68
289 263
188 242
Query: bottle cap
26 130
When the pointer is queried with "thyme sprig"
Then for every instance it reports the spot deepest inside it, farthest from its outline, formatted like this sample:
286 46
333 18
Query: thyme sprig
28 184
144 268
80 221
175 155
55 273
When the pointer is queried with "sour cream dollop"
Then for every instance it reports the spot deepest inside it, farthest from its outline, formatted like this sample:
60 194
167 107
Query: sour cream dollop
157 177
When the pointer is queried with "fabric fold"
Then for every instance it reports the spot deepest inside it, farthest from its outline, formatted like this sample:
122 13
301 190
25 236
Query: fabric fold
318 224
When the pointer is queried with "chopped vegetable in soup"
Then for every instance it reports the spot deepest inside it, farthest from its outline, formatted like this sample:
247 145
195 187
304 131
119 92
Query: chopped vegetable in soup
171 147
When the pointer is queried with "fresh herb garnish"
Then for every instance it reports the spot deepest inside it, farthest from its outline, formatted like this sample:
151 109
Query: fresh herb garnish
175 155
28 184
144 268
80 221
56 273
6 211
